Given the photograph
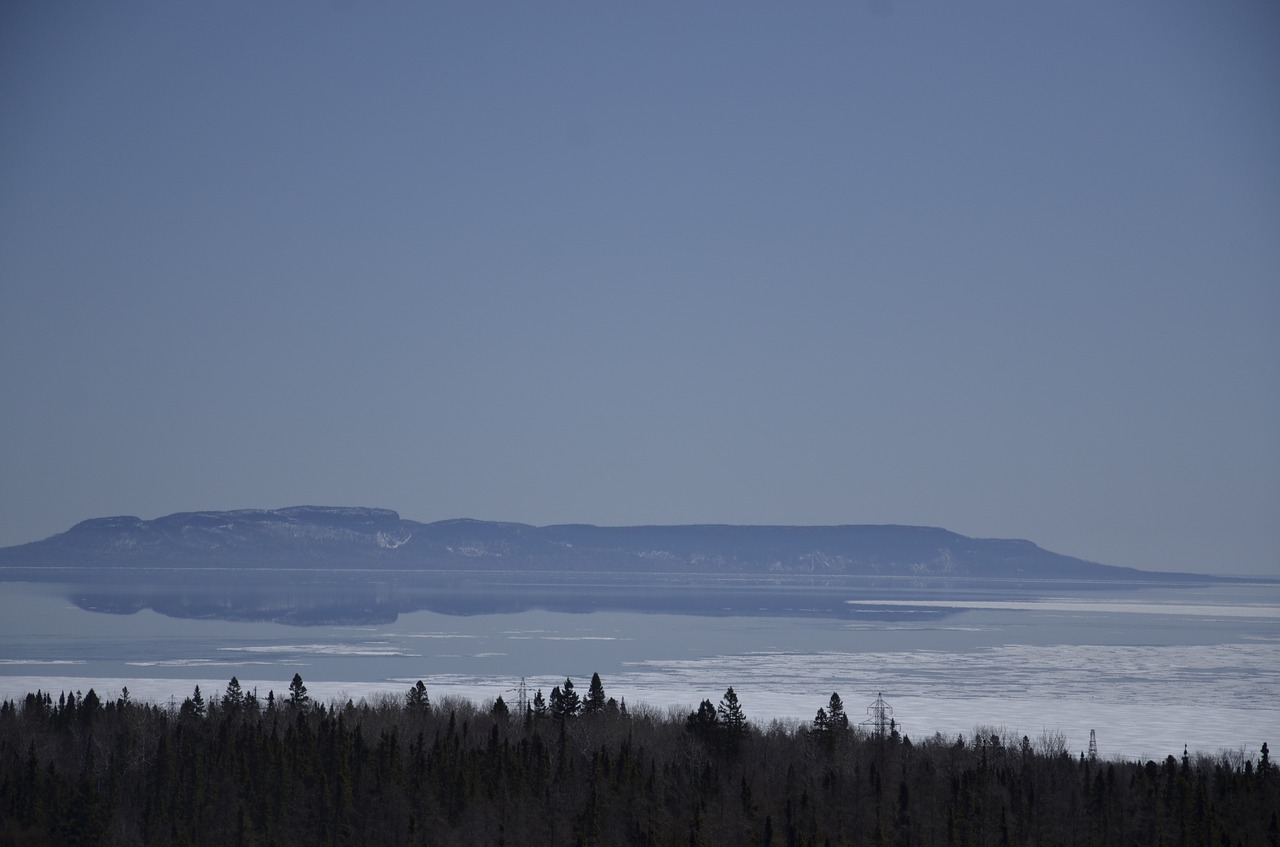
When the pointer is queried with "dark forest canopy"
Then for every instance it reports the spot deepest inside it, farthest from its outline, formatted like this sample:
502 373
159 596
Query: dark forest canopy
355 538
233 768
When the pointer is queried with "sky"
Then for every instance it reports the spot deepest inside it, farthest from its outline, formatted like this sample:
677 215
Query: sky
1008 268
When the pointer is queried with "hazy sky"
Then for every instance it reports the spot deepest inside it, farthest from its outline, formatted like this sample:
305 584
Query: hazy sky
1011 268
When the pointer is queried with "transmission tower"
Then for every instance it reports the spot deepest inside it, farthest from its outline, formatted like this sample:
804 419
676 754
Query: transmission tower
1093 745
879 717
522 697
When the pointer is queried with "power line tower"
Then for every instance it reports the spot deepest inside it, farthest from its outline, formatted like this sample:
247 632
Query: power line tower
522 697
1093 745
879 717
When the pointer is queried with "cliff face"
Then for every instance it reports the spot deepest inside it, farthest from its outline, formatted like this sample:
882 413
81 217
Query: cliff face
356 538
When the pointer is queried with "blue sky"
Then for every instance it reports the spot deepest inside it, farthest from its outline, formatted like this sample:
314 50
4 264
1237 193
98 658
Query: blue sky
1009 268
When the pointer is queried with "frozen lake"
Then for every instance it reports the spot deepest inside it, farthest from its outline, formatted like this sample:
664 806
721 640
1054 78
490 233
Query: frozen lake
1149 669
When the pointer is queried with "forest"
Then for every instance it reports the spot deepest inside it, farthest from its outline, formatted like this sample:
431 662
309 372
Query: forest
582 769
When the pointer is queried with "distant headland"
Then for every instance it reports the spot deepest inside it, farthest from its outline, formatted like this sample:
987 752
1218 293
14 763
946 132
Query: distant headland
357 538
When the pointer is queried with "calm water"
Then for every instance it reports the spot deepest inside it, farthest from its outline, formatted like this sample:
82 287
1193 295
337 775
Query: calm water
1149 670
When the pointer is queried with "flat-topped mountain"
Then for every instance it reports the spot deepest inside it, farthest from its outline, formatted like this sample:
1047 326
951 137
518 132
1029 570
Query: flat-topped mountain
362 538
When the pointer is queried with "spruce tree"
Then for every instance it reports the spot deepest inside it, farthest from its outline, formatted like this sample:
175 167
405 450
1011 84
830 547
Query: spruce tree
416 700
837 720
703 721
820 723
571 702
596 701
557 703
298 698
197 702
539 707
233 699
731 715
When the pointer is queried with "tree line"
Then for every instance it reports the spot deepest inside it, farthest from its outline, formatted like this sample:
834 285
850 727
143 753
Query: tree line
574 770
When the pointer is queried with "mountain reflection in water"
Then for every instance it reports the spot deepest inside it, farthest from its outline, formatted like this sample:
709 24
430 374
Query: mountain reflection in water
309 598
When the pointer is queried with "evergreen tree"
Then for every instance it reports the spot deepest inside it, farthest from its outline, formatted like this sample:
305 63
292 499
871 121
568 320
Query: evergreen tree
197 702
837 720
557 703
570 704
539 706
500 710
703 721
731 715
190 709
298 698
820 724
596 701
233 699
416 700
